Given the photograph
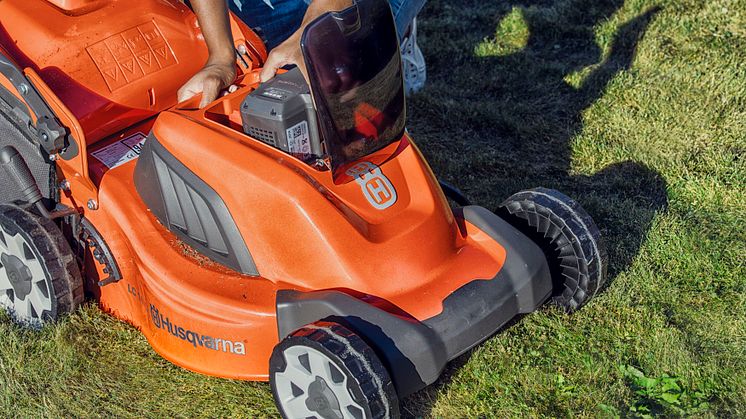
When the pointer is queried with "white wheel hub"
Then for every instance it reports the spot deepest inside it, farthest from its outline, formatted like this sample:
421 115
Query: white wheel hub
23 283
312 385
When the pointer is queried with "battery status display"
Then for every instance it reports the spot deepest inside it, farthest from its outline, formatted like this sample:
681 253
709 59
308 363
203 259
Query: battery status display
275 93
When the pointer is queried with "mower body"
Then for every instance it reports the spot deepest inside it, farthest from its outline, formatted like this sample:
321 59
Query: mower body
219 245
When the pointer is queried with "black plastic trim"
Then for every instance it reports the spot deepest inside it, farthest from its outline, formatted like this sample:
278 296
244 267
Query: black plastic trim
17 133
48 131
190 208
480 308
454 193
101 252
416 352
412 352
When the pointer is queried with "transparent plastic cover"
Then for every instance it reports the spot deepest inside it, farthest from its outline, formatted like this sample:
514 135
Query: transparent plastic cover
355 72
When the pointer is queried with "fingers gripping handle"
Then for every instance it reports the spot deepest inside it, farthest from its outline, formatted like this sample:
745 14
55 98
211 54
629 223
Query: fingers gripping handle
18 170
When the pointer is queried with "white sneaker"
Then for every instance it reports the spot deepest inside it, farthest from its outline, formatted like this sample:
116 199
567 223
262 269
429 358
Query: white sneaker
413 62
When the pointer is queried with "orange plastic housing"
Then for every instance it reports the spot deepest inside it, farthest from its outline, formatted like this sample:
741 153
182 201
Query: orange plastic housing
111 62
304 232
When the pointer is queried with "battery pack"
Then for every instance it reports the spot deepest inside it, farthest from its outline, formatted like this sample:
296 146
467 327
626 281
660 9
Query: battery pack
280 113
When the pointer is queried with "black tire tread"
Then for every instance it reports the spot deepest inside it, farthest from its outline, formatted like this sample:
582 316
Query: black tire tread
359 359
56 257
569 238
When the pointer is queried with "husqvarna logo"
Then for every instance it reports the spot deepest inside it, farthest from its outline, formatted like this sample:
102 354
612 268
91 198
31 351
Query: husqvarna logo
377 188
160 321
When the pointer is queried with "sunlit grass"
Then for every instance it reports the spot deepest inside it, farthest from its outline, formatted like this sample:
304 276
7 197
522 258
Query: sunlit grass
637 109
511 36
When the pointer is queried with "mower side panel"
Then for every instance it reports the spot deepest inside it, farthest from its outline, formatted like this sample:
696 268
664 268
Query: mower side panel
192 311
416 352
190 208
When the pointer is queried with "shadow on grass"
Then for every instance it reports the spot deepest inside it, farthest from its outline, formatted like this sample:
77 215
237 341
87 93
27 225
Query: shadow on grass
494 125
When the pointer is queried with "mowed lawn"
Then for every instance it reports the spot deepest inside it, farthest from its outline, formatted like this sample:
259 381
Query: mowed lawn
637 109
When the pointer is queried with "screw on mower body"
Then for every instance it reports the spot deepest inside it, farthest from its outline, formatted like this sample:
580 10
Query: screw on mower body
92 204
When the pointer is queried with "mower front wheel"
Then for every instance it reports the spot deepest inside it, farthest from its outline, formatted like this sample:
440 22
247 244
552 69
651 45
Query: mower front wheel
39 276
324 370
569 238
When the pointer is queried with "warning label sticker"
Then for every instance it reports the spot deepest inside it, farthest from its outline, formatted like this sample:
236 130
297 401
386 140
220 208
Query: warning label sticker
119 153
299 141
131 55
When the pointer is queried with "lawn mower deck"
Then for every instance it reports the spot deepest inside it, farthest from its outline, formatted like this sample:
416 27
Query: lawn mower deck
340 273
178 296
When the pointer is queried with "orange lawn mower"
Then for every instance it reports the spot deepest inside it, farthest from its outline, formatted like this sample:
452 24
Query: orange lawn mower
289 232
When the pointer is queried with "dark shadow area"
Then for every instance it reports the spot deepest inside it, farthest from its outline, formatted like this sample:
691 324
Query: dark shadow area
496 125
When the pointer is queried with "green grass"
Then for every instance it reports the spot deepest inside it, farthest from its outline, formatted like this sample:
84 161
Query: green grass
636 108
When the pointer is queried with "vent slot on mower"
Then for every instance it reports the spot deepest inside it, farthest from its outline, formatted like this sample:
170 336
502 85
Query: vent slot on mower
190 208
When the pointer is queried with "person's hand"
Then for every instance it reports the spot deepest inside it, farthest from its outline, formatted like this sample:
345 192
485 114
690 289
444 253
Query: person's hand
286 53
289 52
209 81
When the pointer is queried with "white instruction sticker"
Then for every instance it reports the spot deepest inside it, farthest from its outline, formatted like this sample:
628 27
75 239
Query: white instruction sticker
299 141
119 153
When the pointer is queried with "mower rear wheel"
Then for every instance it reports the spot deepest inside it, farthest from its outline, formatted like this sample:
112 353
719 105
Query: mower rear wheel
326 371
39 276
569 238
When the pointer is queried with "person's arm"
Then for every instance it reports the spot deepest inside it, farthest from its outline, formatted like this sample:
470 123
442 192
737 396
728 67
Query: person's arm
220 70
289 51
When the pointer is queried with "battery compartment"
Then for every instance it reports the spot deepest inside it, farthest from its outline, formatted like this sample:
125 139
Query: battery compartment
226 111
278 113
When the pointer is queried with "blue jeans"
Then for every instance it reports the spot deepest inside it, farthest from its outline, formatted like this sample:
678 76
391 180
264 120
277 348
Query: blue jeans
278 19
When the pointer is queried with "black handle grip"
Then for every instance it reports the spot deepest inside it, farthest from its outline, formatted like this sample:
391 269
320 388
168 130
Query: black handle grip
18 170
